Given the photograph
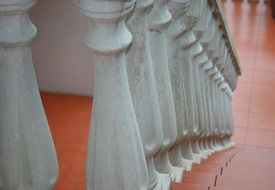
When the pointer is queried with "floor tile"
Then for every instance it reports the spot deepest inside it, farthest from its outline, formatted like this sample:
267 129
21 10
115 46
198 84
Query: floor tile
261 138
240 119
262 121
265 65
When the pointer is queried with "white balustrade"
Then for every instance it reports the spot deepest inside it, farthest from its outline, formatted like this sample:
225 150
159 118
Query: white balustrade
165 72
174 94
27 154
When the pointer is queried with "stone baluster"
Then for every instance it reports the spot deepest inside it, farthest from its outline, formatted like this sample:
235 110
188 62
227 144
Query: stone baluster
216 75
201 31
231 120
226 116
220 58
176 29
27 154
199 27
224 58
207 68
206 38
196 49
159 20
225 70
220 105
228 112
201 60
143 89
115 155
213 72
229 116
186 40
223 120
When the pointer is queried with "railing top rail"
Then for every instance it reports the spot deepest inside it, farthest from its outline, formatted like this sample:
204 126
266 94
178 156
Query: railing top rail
219 12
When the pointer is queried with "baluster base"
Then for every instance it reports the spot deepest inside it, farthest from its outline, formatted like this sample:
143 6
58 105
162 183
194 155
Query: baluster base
178 173
166 181
187 164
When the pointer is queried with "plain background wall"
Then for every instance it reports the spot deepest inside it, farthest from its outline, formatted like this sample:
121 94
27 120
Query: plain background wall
62 61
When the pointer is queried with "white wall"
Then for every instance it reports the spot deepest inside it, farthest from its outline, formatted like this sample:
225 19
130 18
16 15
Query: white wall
62 62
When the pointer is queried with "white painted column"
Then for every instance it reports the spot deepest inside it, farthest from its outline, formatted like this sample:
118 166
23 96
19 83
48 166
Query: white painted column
219 80
186 40
194 19
207 68
115 156
143 89
206 37
229 128
201 60
230 132
175 30
213 73
197 49
225 116
27 154
159 20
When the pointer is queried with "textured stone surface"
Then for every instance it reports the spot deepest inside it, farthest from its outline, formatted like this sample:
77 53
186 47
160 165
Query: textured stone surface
115 156
159 20
27 154
143 89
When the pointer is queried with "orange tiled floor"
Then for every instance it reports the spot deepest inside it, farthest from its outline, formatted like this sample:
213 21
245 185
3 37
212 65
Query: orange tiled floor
69 118
253 31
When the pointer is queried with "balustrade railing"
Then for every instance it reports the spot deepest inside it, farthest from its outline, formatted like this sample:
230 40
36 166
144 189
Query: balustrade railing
165 72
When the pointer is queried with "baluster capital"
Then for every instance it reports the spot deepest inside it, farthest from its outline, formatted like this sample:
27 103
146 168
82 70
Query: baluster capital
193 14
207 66
217 77
159 18
144 4
187 40
15 6
223 86
213 71
178 8
201 59
196 48
107 32
220 80
17 29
